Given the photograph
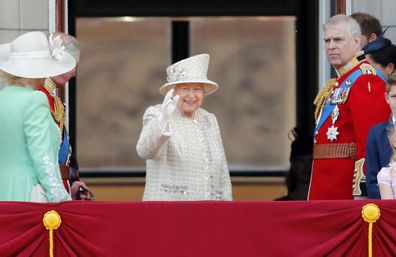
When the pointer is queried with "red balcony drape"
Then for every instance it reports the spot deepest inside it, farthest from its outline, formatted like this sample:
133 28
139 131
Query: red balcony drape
189 229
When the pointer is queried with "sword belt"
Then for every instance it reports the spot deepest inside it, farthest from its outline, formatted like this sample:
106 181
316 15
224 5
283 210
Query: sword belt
334 151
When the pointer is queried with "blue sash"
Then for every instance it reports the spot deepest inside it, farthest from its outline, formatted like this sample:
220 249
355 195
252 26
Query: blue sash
379 73
64 149
329 106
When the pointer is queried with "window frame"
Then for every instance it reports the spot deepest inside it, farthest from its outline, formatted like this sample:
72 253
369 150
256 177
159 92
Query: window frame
305 11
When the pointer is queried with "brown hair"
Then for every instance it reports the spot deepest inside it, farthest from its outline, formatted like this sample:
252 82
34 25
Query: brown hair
368 24
391 81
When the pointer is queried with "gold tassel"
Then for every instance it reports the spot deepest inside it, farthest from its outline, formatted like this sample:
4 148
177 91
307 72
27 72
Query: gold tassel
370 214
51 220
322 96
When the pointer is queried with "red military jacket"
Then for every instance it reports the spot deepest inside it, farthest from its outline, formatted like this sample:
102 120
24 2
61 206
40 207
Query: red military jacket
340 142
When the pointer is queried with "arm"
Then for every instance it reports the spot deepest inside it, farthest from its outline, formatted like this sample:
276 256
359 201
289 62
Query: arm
225 173
386 191
385 183
156 127
152 137
40 130
368 107
372 164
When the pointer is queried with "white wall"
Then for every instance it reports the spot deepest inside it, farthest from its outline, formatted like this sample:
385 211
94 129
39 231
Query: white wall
384 10
20 16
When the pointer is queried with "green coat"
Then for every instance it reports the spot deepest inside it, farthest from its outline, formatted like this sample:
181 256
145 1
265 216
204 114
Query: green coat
29 144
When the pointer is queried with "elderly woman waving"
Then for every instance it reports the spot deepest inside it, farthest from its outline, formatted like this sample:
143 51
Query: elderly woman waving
181 142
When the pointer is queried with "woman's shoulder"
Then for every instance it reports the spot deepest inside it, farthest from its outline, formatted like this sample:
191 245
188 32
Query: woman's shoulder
203 112
37 97
153 108
207 118
24 94
384 174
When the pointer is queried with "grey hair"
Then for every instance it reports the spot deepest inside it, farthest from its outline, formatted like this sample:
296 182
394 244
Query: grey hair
71 44
352 27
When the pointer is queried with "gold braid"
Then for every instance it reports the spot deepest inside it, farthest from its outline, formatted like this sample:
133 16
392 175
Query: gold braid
59 110
322 96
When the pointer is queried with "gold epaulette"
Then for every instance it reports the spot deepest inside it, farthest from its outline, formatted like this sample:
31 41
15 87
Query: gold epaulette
322 96
59 110
367 69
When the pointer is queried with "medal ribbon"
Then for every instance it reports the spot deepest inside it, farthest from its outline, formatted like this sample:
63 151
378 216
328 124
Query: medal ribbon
329 106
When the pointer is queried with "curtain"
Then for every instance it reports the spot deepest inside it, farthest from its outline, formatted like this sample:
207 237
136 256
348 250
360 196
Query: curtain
197 229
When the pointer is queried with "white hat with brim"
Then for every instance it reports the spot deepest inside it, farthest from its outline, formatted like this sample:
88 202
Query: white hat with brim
209 86
30 57
4 52
191 70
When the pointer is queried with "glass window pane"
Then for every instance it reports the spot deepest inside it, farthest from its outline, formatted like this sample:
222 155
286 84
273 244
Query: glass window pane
253 61
121 68
123 64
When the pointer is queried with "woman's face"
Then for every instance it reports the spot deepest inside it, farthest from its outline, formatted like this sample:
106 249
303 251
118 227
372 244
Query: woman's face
191 97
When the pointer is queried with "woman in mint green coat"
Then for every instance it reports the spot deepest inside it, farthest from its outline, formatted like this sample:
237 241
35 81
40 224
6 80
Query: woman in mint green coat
29 137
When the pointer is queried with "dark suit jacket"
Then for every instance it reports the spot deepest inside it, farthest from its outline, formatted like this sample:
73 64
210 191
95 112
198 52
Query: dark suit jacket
378 155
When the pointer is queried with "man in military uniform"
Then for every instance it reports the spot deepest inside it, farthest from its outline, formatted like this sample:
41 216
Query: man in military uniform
67 161
346 108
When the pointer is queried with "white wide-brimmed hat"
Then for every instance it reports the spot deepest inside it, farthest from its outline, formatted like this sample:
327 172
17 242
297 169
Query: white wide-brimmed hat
30 56
4 52
191 70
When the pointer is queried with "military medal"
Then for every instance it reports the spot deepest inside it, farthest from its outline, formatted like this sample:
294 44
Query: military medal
332 133
340 95
334 114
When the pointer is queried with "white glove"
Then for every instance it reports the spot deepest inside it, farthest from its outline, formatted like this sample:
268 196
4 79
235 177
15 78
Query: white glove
168 106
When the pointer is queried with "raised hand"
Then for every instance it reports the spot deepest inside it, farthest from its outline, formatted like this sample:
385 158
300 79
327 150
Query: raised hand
168 106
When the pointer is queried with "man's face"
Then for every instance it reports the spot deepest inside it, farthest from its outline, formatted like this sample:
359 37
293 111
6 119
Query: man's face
61 80
339 45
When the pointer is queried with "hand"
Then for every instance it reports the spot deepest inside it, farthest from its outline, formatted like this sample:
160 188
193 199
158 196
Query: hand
79 191
168 106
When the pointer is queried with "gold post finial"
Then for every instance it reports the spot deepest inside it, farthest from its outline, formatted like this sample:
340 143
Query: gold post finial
370 214
51 220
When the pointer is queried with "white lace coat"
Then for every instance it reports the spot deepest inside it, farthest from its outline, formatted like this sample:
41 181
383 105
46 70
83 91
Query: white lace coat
185 162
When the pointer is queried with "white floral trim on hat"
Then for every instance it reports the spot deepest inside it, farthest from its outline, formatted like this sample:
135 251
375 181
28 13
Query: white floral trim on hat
176 74
190 70
56 47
